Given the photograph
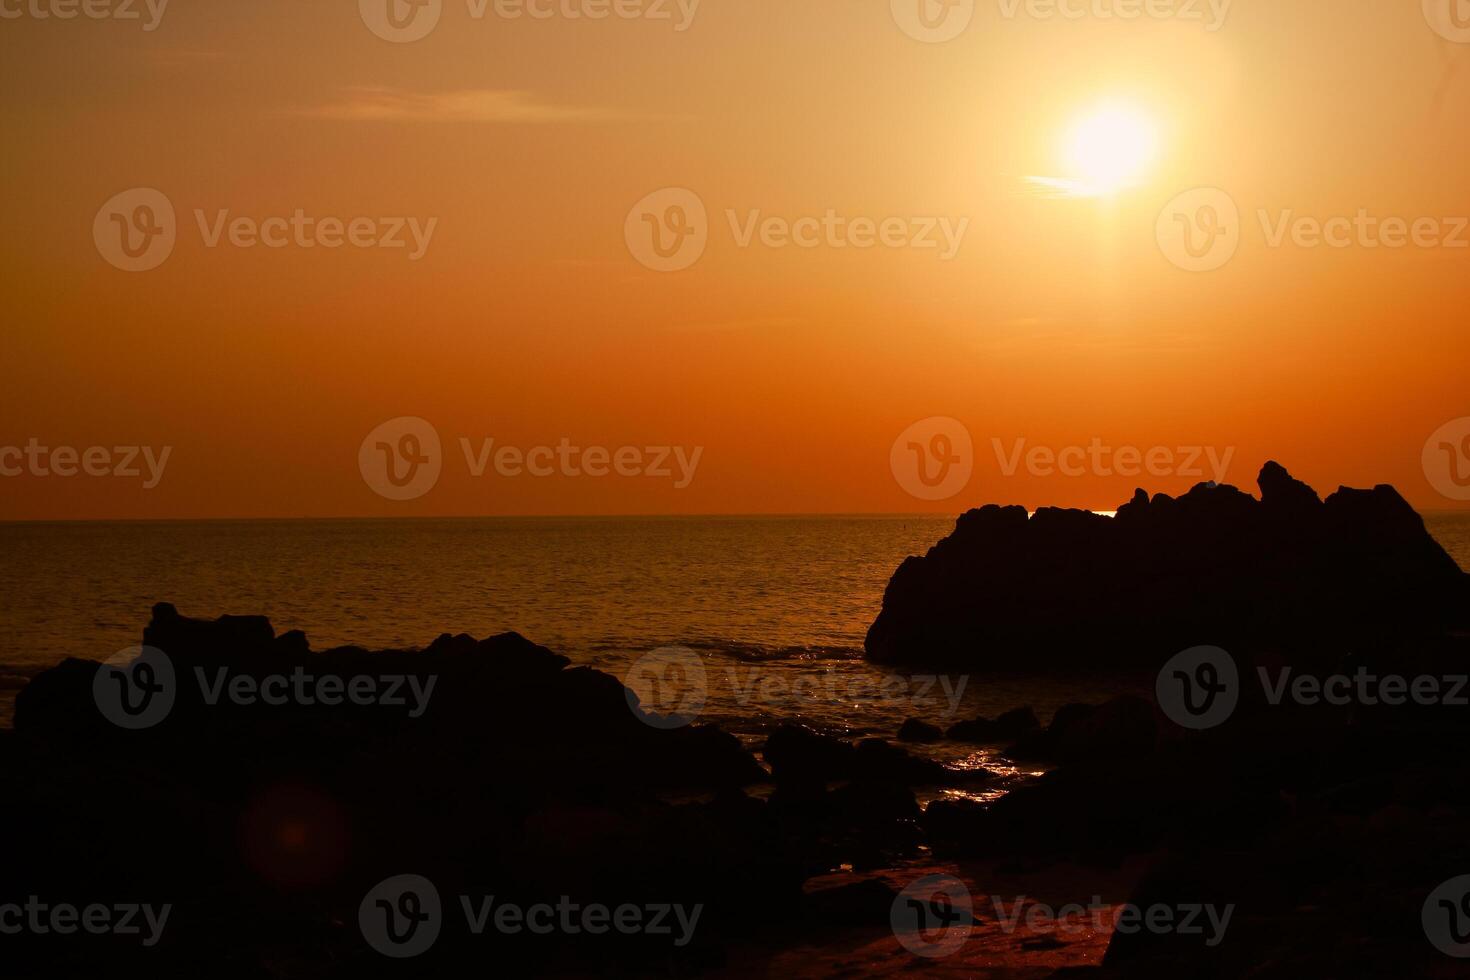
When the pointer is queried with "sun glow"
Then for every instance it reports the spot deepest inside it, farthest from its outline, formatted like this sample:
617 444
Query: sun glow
1108 150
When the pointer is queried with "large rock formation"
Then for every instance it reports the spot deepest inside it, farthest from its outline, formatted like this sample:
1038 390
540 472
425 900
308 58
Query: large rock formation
265 824
490 767
1067 587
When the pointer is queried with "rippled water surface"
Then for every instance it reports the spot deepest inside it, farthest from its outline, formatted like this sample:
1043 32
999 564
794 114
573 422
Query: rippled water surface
777 606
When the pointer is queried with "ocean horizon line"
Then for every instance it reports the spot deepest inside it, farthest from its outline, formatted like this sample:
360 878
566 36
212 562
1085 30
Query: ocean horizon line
752 515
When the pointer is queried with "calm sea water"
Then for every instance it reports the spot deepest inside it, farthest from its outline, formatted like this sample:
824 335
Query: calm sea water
776 607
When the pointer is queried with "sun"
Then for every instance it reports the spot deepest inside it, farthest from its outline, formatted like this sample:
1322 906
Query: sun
1110 148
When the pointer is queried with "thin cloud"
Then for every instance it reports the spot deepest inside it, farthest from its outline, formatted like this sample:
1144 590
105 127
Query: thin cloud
465 106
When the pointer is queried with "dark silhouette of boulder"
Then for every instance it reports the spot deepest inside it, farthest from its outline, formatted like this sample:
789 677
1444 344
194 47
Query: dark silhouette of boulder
1122 728
876 759
914 730
521 777
802 759
1010 725
796 754
1215 566
866 902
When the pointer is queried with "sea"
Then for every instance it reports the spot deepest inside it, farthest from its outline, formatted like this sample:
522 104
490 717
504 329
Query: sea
775 608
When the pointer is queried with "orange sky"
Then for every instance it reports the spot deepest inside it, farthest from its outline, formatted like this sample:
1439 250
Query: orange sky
1059 321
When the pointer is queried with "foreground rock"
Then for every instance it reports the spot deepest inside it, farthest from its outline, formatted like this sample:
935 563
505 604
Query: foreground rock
1325 828
510 774
1011 725
1214 566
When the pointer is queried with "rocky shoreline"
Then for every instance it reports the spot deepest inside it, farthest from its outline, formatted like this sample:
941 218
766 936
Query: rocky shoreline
269 793
238 810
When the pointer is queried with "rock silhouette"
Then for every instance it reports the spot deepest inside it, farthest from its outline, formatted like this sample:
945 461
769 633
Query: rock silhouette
523 777
1218 566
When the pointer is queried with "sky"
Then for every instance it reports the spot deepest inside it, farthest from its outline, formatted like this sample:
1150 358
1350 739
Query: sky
991 256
